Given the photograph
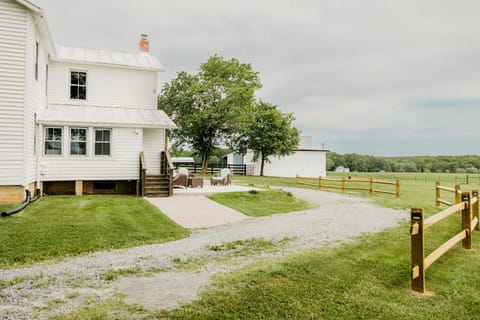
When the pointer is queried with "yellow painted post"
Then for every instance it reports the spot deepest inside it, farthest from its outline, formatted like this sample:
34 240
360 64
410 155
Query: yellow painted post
458 197
467 221
437 194
475 209
343 184
370 187
418 250
397 189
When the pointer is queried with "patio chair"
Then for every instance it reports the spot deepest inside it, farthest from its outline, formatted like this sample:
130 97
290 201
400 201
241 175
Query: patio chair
224 178
181 178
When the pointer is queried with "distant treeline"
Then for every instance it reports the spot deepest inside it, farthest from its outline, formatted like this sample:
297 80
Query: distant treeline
366 163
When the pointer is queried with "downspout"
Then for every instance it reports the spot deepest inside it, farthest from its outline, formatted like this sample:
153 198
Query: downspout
39 149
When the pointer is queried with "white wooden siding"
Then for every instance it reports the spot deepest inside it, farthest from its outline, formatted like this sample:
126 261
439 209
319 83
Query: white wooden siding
123 164
110 87
13 30
35 96
303 163
153 144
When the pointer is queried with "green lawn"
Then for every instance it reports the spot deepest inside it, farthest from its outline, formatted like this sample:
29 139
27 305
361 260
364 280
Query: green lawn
59 226
5 207
261 203
366 279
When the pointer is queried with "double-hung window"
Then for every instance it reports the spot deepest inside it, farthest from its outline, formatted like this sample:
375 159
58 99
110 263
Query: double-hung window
102 142
78 141
78 85
53 141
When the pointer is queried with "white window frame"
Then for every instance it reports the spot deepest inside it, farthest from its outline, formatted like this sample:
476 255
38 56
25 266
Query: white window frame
103 142
77 85
54 141
75 141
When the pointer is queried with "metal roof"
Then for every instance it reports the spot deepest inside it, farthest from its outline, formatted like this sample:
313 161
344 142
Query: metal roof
111 58
105 116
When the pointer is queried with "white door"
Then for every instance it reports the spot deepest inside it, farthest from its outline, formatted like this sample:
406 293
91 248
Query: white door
153 145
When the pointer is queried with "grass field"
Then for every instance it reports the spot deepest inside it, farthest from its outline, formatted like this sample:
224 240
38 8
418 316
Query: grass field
60 226
5 207
261 203
369 279
366 279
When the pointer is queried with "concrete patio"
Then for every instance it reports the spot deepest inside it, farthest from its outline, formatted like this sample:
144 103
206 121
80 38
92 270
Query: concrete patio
191 208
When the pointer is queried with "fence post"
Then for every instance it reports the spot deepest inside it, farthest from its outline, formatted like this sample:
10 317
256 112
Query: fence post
437 194
418 250
475 209
397 189
320 183
457 194
343 184
467 179
370 187
467 221
296 180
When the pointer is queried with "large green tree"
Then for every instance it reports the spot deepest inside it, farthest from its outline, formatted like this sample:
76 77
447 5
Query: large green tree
206 106
267 132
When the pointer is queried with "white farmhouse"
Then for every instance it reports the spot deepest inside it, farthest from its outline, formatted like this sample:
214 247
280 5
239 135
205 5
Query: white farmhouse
75 120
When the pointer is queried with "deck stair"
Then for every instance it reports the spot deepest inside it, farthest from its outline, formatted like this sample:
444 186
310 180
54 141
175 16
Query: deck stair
156 186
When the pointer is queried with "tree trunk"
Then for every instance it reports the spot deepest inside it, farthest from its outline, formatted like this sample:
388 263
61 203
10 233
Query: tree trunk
262 165
204 163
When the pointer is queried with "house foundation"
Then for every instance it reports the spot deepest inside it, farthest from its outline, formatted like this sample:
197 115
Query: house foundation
12 194
15 194
78 187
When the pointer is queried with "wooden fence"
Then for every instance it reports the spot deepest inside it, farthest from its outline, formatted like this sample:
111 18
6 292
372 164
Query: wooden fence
240 169
468 206
455 190
350 183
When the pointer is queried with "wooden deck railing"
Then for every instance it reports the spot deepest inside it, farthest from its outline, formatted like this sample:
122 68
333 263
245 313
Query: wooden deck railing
142 175
350 183
169 172
468 206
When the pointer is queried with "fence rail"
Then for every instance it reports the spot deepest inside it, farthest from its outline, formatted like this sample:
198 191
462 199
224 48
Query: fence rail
342 184
468 206
438 200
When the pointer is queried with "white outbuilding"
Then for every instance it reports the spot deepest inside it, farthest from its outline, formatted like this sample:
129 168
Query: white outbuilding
305 161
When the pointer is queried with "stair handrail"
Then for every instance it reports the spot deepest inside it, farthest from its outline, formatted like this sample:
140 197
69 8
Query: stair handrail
143 173
169 172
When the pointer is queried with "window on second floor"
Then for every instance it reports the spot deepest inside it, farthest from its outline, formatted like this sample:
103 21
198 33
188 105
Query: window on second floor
78 85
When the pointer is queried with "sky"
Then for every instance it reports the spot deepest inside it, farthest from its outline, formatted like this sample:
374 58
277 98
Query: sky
386 78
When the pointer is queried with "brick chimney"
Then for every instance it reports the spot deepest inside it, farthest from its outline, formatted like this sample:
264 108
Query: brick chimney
144 44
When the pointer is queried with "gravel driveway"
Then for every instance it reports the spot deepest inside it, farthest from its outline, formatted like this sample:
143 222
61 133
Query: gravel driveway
43 290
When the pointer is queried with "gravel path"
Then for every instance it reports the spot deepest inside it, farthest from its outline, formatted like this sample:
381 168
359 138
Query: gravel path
43 290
